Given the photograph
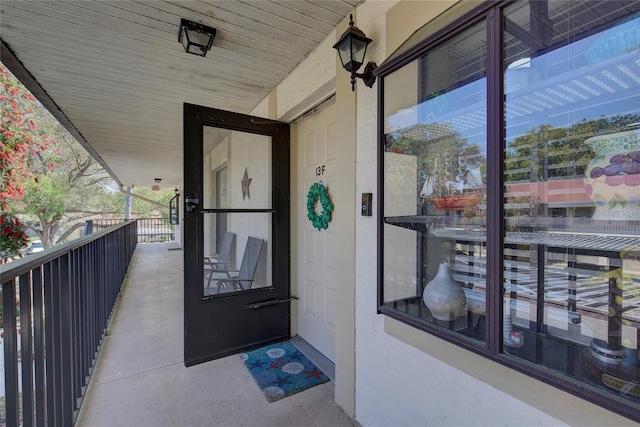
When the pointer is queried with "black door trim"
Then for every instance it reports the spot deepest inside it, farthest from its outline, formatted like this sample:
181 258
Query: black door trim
202 330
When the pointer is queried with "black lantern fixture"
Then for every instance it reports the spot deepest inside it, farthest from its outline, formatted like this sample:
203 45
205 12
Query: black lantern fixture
196 38
352 47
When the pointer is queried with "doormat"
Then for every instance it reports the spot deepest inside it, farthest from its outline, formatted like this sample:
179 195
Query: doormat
281 370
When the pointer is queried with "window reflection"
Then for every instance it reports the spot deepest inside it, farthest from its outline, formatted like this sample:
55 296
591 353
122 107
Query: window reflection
435 186
571 228
572 170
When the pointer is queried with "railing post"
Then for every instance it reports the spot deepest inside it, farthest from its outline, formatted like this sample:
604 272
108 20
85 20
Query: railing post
49 341
12 401
26 350
66 332
38 346
54 340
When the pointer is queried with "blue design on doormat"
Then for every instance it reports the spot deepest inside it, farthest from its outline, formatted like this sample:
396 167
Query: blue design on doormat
281 370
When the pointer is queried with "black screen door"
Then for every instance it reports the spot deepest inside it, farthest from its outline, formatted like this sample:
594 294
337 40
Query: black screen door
236 280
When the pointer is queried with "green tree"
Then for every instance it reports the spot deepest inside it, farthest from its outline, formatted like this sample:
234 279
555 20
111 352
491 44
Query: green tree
49 179
142 209
546 152
69 186
72 187
20 141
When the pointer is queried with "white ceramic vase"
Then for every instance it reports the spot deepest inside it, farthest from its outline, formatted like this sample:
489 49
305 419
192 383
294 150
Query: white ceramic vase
443 296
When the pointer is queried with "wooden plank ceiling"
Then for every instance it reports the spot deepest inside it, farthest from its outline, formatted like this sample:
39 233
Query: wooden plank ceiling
118 73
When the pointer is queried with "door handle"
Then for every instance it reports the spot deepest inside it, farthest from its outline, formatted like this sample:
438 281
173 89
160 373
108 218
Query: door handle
190 203
261 304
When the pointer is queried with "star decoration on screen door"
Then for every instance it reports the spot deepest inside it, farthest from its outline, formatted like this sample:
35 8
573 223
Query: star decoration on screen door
246 182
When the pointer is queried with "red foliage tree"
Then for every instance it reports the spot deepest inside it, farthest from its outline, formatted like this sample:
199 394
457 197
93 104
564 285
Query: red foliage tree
20 140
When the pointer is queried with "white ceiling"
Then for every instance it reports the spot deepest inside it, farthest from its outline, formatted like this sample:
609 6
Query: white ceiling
116 69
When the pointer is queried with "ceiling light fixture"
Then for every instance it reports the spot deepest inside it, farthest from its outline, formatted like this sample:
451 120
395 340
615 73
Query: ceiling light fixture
352 47
195 38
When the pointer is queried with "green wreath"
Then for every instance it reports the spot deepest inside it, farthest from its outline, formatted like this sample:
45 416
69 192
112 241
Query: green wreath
319 191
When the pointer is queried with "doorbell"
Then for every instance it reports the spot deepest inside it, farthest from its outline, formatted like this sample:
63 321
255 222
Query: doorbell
367 199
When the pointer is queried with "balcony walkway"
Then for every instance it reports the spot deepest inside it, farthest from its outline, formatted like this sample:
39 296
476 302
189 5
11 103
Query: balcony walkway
140 378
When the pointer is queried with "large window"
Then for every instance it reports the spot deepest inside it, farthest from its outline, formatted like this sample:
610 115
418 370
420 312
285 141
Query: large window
510 189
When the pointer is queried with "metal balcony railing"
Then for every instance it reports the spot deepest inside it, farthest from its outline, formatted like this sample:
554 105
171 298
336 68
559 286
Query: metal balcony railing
150 230
56 306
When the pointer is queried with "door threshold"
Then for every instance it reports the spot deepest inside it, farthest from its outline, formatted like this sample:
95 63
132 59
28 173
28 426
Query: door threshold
324 364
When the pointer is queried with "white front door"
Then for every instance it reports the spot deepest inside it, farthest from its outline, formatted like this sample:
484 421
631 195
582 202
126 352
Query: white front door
315 261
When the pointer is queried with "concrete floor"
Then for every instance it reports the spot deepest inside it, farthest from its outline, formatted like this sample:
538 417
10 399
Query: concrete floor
140 378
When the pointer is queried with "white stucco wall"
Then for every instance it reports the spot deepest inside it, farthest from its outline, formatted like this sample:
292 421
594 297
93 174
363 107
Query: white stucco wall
310 83
404 376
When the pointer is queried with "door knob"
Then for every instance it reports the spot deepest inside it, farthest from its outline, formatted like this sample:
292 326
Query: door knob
190 203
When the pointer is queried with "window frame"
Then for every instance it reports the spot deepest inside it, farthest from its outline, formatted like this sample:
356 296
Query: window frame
492 13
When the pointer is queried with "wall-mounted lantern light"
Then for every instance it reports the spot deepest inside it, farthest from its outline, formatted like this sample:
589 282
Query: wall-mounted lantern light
174 208
196 38
352 47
